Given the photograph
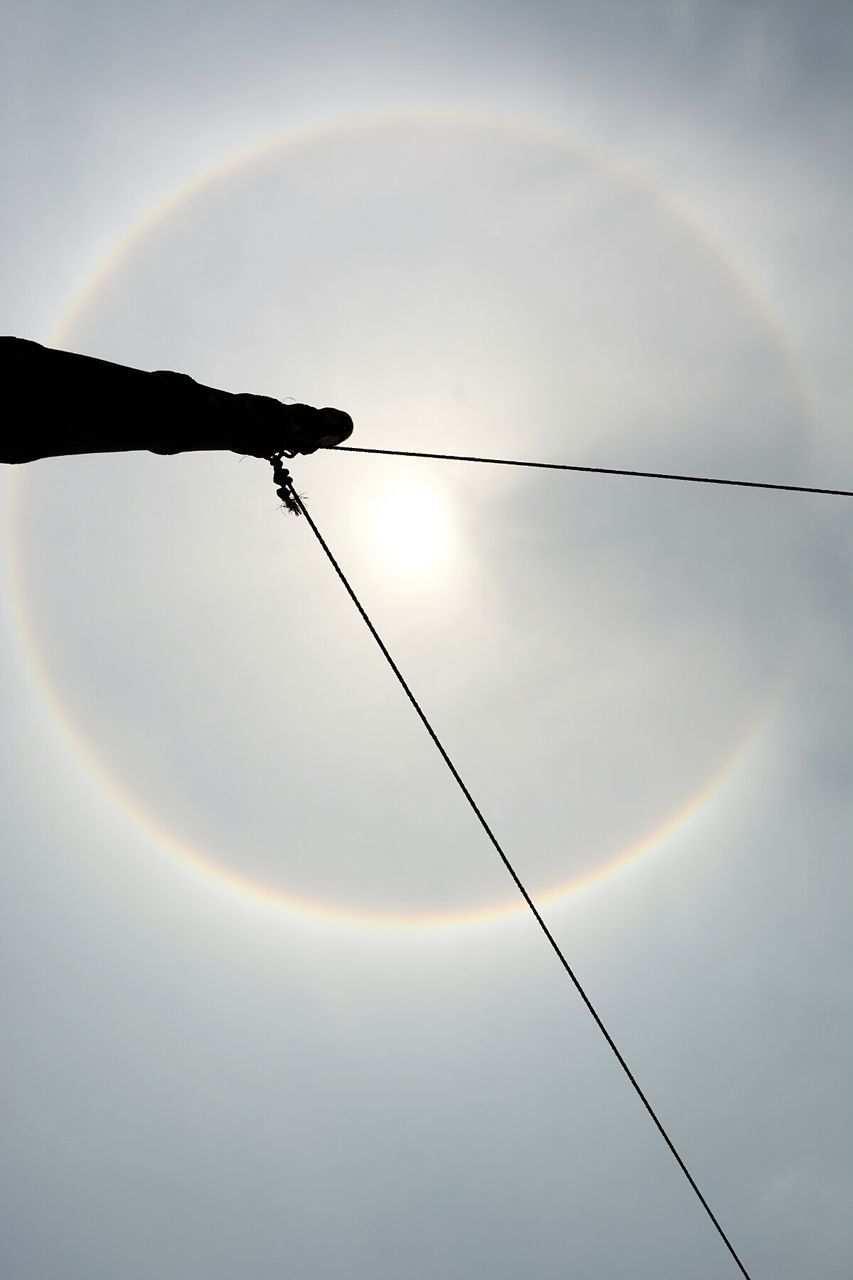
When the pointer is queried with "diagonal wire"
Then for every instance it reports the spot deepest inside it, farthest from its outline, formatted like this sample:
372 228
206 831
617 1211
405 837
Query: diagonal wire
509 867
596 471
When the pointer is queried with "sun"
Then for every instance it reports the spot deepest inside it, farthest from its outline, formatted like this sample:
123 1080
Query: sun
412 528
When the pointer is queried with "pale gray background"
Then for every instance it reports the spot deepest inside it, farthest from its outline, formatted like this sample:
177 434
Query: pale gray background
486 254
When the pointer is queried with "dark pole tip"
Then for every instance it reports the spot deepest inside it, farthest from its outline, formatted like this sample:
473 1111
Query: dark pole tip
337 426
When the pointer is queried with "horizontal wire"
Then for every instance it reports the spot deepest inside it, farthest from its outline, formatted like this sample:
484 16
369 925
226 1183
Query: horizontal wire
514 875
597 471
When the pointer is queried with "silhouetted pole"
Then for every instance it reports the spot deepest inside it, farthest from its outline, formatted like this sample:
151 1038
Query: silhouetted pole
56 403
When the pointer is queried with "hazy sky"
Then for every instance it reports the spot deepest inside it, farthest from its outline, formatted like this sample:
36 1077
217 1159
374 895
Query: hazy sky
269 1008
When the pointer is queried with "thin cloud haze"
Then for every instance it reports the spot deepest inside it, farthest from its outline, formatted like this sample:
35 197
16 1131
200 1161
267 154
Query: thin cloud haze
601 234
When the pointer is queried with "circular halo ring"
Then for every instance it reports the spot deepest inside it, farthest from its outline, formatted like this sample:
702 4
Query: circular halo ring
192 857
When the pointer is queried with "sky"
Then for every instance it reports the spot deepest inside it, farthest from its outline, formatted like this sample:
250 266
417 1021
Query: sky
270 1002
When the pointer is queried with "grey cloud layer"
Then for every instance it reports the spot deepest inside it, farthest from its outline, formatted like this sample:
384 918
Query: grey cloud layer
197 1087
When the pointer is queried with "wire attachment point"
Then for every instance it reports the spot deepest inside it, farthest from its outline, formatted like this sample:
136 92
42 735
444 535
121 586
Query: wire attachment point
283 480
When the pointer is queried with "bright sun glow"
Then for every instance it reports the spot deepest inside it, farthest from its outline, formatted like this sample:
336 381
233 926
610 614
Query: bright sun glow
412 528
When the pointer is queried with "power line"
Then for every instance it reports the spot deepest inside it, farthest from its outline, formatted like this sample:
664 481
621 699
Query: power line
596 471
296 503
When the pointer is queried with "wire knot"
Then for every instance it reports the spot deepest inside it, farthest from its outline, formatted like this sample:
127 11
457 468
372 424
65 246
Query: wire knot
283 480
